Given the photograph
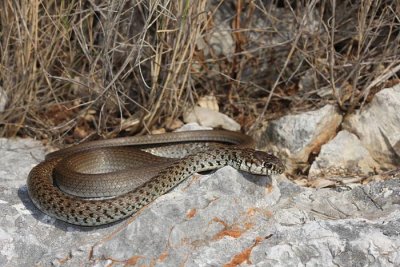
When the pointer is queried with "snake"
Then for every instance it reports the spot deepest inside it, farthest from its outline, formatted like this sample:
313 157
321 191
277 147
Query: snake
105 181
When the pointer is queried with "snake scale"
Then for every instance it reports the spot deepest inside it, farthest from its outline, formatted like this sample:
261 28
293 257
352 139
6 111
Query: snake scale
90 165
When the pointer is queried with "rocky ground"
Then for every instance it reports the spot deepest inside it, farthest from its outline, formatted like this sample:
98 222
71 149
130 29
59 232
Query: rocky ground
335 205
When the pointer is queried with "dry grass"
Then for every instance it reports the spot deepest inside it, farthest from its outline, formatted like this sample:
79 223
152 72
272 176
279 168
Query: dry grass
75 69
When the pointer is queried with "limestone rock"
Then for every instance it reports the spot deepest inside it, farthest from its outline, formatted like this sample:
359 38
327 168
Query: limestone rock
378 126
3 99
192 127
208 101
343 156
300 135
210 118
225 217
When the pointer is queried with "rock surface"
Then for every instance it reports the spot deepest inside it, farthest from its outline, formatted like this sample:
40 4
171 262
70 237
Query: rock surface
343 156
299 136
378 126
224 218
3 99
210 118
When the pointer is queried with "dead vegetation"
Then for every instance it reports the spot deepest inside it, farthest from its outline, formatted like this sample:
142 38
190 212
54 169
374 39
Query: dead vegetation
73 70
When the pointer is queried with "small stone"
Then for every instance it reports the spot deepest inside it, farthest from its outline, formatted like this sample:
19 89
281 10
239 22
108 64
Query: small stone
173 124
210 118
378 126
343 156
3 99
158 131
209 102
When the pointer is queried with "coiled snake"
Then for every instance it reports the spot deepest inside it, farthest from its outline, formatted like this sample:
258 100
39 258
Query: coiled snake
90 174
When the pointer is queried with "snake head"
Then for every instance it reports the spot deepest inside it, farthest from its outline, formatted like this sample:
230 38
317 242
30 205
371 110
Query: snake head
262 163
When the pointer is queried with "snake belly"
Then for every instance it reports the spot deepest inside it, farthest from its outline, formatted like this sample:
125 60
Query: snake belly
93 211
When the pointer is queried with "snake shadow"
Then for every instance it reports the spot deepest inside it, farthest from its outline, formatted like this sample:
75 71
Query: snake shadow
260 180
46 219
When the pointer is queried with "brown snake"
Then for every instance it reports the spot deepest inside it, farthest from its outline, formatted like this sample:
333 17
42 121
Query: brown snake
107 167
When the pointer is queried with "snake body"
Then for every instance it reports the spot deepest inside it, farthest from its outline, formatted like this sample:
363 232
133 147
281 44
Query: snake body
87 210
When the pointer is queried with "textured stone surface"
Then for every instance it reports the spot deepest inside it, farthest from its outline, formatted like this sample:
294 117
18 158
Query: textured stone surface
209 220
300 135
210 118
378 126
3 99
343 156
26 234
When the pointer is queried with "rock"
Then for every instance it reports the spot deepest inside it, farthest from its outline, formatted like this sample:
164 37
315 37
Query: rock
210 118
396 148
173 124
378 126
208 101
300 135
222 218
206 216
3 99
343 156
26 234
18 157
192 127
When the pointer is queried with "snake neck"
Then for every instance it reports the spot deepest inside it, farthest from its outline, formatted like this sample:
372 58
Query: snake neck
248 160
